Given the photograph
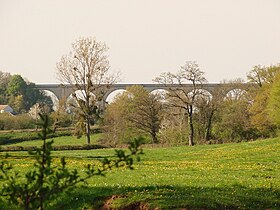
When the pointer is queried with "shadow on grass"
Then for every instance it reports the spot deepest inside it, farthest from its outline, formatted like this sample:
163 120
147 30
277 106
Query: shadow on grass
167 197
13 138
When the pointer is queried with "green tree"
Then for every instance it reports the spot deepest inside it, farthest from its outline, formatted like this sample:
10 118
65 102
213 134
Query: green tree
274 101
60 116
262 75
86 68
17 102
117 128
135 111
16 86
22 95
146 111
231 122
33 96
260 114
4 80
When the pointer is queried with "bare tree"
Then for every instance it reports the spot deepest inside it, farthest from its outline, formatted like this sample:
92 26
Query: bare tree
180 95
86 69
261 75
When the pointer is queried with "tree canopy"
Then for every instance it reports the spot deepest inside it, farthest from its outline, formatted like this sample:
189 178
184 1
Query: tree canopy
21 95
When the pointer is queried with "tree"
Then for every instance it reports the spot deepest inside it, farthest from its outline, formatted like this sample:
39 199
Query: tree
274 100
133 112
146 111
17 102
116 126
205 106
4 80
33 96
61 116
86 68
261 75
179 95
21 94
231 121
173 127
261 97
16 86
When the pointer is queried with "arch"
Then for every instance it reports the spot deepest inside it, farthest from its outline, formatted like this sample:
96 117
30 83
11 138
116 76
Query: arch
64 91
53 97
79 94
162 93
113 95
199 93
203 94
235 94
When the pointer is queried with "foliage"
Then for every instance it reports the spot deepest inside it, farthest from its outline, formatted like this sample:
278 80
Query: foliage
4 80
20 94
135 112
146 111
117 128
261 75
33 96
232 122
261 111
16 86
45 180
173 127
10 122
274 100
61 117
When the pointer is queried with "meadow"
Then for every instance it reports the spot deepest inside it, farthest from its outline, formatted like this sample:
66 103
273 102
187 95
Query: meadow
226 176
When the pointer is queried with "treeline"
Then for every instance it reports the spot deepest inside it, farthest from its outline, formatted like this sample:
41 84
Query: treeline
189 116
234 111
20 94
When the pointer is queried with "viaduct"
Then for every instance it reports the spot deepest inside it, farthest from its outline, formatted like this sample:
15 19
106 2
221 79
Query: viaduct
64 91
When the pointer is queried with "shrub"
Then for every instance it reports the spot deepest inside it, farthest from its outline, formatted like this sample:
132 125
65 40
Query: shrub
10 122
173 136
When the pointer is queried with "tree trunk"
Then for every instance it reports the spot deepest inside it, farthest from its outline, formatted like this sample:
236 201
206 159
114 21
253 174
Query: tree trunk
191 129
154 137
208 127
88 130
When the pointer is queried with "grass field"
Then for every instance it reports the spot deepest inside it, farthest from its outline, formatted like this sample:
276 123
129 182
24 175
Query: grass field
62 140
228 176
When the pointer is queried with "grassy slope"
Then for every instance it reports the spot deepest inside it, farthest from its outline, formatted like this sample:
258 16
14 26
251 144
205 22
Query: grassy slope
231 176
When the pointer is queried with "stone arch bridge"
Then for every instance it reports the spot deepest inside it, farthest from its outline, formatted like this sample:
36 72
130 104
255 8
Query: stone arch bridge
64 91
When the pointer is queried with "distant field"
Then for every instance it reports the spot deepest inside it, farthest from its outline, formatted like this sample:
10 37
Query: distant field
62 140
229 176
30 138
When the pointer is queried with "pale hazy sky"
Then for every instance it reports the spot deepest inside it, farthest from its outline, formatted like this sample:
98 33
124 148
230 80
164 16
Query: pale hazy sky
145 37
